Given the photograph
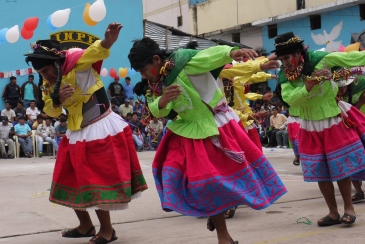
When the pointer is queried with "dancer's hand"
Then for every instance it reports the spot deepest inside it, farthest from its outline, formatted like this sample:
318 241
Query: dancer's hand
273 64
272 56
322 72
262 114
66 92
243 53
172 92
111 35
267 96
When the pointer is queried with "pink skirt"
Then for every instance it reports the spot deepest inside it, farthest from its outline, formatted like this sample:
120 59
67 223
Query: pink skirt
293 131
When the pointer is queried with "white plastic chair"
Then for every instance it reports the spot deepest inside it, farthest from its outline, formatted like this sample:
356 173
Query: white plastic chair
17 145
6 145
35 145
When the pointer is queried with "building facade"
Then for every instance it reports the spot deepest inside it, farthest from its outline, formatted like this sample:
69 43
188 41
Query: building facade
127 12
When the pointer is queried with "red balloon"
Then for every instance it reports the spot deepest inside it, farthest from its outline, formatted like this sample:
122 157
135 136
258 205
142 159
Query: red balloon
31 23
26 34
113 73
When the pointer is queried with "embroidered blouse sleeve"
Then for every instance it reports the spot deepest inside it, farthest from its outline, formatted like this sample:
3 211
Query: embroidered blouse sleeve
156 111
253 96
343 59
209 59
244 70
293 96
91 55
259 77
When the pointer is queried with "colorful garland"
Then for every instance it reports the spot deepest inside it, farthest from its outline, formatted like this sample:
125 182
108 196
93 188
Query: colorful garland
293 40
295 74
342 74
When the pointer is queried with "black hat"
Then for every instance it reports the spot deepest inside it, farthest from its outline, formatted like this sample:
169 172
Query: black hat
47 49
4 119
287 43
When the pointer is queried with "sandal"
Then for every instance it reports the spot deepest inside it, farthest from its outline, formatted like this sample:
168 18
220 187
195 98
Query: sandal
358 198
328 221
101 240
296 161
233 242
210 224
352 219
74 233
230 213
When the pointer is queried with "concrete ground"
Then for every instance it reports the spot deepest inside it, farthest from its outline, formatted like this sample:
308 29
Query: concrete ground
28 217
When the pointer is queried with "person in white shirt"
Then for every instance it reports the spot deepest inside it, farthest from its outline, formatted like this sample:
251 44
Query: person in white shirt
32 113
8 112
154 130
46 132
6 129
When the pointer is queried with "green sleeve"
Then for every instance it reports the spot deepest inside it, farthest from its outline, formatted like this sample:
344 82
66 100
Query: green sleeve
209 59
159 113
294 96
342 59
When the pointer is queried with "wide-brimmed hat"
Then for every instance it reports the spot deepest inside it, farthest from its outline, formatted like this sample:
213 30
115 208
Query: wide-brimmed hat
287 43
47 49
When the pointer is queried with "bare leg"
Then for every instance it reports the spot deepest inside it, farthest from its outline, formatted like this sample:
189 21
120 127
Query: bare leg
106 228
345 189
220 225
357 186
328 192
85 222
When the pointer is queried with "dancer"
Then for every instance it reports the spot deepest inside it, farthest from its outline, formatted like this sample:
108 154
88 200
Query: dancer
330 148
97 166
351 84
205 164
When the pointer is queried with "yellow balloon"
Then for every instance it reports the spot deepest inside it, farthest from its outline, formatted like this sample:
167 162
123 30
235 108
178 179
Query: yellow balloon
353 47
86 16
123 72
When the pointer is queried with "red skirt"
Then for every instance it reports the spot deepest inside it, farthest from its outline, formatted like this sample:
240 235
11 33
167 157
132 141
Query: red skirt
97 167
254 136
293 131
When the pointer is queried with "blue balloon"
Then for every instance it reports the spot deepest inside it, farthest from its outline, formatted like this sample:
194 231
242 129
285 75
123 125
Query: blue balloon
131 72
49 23
2 35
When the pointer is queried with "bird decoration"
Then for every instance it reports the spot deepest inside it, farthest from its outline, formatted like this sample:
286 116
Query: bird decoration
329 39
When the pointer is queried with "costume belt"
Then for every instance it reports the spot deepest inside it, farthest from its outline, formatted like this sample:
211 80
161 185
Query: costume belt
106 113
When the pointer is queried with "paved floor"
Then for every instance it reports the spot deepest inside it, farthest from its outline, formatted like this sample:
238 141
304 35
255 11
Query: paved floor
28 217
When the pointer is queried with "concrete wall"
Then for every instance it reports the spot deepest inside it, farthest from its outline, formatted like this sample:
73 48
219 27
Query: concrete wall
166 12
350 23
127 12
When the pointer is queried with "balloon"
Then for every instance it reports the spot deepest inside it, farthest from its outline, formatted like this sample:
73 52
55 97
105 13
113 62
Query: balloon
12 35
113 73
104 72
353 47
342 48
31 23
49 23
131 71
123 72
2 34
97 11
60 17
26 34
86 16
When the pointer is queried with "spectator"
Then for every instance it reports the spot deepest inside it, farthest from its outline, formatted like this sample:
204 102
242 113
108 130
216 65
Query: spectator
128 117
46 132
275 100
276 121
24 134
18 116
128 90
32 112
11 92
61 129
39 121
116 91
282 134
137 127
115 108
63 115
28 91
6 132
20 109
155 130
138 108
125 108
8 112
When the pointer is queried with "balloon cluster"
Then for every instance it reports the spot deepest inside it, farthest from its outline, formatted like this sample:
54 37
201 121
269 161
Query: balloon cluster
94 13
122 72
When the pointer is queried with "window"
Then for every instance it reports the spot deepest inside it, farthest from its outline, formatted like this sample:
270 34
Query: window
300 4
272 31
179 21
362 11
236 37
315 21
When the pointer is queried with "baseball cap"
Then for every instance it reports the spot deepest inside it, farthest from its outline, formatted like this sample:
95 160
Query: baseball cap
127 100
5 119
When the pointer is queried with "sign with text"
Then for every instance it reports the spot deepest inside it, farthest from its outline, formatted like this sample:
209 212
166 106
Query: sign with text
73 39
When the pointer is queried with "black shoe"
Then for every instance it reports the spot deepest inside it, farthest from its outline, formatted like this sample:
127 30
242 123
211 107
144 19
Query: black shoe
11 156
5 156
30 155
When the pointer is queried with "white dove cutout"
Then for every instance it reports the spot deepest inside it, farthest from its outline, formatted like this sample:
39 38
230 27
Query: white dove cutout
329 39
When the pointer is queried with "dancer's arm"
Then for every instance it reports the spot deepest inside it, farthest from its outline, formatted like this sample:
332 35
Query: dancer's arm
342 59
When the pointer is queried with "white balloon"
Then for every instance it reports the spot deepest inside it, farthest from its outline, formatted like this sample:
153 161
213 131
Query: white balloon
60 17
97 11
12 35
104 72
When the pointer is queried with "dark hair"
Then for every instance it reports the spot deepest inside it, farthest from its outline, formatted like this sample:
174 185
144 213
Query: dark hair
62 120
31 76
191 45
32 101
12 78
143 51
129 114
40 102
127 78
22 117
276 108
135 113
20 102
307 66
39 116
7 102
48 119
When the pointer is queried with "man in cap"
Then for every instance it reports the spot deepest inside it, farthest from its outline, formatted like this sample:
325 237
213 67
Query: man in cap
125 108
6 132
